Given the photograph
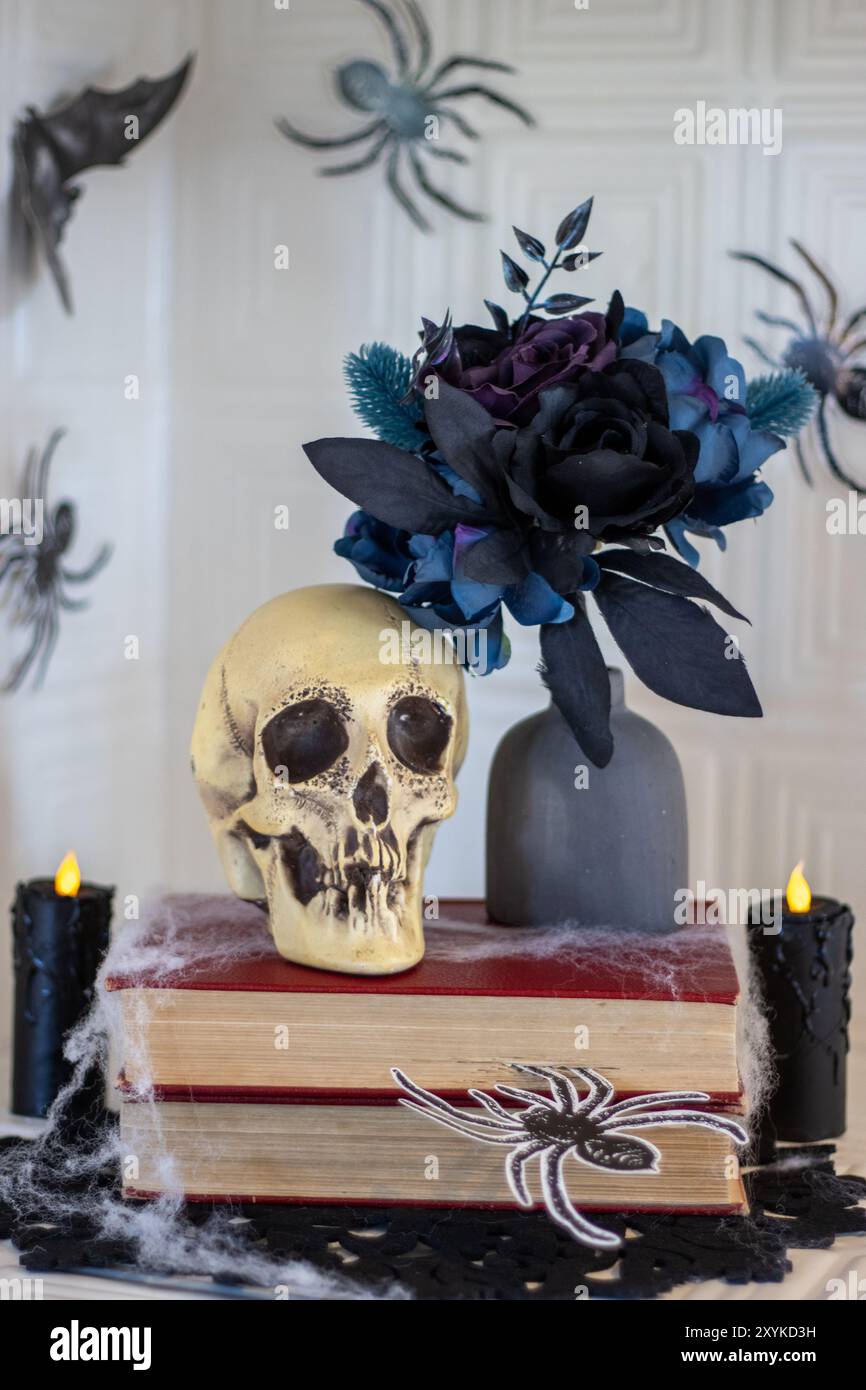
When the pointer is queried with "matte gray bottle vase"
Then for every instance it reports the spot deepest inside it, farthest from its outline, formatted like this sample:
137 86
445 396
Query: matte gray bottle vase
612 853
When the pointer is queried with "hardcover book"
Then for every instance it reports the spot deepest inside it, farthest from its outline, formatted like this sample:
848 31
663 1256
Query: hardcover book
650 1013
383 1153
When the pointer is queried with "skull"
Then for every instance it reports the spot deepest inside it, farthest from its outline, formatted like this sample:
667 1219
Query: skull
324 772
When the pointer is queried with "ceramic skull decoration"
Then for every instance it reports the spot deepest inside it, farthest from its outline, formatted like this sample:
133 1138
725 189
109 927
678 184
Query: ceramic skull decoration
324 770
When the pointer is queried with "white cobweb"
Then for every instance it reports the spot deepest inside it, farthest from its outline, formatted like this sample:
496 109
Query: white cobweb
58 1179
624 955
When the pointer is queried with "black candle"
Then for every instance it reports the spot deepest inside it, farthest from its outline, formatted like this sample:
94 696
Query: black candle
59 939
805 971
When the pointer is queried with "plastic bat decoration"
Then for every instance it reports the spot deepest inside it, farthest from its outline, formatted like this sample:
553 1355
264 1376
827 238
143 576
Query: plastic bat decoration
95 127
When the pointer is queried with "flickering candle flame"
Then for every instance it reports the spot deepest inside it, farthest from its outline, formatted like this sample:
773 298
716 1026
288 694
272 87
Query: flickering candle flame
67 880
798 894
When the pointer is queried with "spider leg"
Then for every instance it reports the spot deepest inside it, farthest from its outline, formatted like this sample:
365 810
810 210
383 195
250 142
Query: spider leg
19 671
28 477
832 462
72 605
776 322
392 28
494 1107
16 558
49 642
762 353
853 348
656 1098
363 163
801 459
851 323
454 155
832 295
45 462
422 34
101 559
560 1209
427 1098
314 142
560 1086
437 195
530 1097
477 90
514 1169
461 61
400 194
461 123
600 1089
485 1137
785 278
703 1119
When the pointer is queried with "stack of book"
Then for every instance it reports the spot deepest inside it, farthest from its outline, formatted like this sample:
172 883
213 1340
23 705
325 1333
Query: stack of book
267 1081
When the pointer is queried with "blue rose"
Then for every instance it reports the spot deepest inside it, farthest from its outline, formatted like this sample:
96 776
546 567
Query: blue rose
428 574
380 553
706 390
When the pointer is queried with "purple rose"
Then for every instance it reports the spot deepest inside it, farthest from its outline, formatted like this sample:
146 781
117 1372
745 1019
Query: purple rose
547 353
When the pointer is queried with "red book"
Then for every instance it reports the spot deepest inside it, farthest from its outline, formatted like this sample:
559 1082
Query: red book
252 1079
212 1012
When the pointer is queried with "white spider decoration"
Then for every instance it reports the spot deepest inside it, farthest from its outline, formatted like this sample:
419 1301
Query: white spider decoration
551 1128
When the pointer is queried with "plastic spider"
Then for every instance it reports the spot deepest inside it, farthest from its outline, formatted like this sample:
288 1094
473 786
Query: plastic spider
403 106
823 350
551 1129
33 576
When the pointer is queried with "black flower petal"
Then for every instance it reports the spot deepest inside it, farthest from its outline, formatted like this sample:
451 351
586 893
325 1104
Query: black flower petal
463 433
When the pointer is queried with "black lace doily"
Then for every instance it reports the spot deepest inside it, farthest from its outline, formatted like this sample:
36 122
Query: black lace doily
797 1202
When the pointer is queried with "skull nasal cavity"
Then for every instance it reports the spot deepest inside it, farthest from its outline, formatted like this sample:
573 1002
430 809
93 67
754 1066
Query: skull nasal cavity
370 797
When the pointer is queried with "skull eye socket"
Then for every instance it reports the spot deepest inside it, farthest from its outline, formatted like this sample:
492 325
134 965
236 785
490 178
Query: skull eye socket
418 732
305 739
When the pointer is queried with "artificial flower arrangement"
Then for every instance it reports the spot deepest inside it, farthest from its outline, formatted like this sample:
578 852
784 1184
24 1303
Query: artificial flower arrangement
558 455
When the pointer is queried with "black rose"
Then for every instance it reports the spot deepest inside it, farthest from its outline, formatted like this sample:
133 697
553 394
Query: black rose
599 454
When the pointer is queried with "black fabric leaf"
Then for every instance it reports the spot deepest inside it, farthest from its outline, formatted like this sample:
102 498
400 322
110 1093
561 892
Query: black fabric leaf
615 314
462 431
664 572
515 276
393 486
676 648
438 339
574 672
529 245
642 544
498 315
572 227
499 558
580 259
565 303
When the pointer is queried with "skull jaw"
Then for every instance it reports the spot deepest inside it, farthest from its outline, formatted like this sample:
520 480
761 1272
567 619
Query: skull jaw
376 939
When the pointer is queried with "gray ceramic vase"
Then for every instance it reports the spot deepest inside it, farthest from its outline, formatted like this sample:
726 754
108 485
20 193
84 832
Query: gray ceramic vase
611 852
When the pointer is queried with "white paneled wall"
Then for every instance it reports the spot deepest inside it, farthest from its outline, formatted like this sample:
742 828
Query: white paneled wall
172 261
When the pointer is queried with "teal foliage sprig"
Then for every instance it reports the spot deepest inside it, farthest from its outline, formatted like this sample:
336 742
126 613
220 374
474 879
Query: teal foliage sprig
379 378
782 402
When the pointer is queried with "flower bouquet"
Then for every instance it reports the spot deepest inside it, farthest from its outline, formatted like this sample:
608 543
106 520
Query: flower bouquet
560 454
